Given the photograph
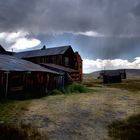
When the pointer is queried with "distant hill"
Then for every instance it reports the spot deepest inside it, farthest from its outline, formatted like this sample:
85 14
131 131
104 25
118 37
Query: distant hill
131 73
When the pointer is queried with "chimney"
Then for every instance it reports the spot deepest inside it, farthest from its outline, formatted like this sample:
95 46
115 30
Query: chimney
43 48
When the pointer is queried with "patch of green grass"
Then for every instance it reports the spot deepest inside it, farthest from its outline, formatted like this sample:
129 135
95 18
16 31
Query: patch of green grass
10 110
128 129
55 92
74 88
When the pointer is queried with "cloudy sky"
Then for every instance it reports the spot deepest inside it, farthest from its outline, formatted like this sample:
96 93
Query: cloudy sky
105 32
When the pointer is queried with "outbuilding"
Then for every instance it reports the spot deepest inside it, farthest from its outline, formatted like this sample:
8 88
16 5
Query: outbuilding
111 76
19 77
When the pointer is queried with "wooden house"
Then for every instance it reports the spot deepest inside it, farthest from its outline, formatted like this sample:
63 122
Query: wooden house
18 77
111 76
60 56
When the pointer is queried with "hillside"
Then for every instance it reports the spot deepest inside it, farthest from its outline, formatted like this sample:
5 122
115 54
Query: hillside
131 73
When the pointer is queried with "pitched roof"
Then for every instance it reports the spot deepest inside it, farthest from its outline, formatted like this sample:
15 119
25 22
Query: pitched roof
10 63
122 71
42 52
58 67
110 72
2 49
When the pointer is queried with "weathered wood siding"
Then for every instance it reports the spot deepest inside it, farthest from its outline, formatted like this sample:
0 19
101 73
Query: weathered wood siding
78 67
56 59
22 82
68 59
112 79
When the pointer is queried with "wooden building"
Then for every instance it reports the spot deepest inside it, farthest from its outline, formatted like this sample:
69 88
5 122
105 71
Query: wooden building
61 56
18 76
67 72
123 73
111 76
79 66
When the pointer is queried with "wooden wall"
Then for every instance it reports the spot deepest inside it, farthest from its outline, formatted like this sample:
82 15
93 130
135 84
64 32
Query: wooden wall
112 79
79 67
56 59
36 83
69 59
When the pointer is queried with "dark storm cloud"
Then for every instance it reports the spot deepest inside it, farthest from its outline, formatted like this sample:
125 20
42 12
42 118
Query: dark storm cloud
14 14
111 48
105 16
117 20
97 47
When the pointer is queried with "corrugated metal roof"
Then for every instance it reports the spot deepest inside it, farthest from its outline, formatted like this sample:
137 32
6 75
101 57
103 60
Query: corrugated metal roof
42 52
10 63
58 67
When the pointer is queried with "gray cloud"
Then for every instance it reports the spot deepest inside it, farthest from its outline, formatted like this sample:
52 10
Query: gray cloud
117 20
97 47
105 16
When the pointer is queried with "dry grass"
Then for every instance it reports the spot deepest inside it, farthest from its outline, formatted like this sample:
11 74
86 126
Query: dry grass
130 85
81 116
11 110
84 116
127 129
91 82
19 132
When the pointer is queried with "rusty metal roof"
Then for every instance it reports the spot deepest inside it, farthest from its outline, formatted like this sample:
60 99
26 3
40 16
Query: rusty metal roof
42 52
58 67
10 63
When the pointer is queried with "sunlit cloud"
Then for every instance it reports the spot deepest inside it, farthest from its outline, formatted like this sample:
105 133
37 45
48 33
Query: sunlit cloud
18 40
25 43
90 34
99 64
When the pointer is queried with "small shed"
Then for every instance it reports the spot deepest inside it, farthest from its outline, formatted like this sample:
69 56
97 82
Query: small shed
123 73
19 77
111 76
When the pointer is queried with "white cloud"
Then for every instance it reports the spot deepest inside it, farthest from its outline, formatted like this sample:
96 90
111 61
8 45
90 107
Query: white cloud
11 37
18 40
99 64
24 43
90 33
97 34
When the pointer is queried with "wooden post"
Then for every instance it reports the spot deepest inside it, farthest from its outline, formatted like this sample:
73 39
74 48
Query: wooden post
7 81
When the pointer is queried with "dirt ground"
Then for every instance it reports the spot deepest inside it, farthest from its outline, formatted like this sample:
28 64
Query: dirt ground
82 116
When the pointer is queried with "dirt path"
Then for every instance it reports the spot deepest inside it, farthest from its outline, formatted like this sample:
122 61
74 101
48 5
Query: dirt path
81 116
